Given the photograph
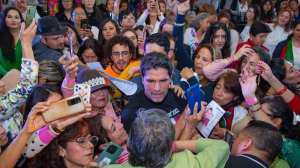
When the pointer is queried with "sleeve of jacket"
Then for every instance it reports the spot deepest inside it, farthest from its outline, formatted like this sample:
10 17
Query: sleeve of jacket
212 153
278 49
182 55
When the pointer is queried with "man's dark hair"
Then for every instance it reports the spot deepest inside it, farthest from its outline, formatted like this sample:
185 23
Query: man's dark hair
121 40
259 27
155 60
266 138
150 139
160 39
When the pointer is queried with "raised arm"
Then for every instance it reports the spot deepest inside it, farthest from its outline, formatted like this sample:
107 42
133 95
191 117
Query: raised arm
182 55
28 78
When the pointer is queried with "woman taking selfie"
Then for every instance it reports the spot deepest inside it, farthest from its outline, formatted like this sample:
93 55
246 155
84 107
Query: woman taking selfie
10 44
73 148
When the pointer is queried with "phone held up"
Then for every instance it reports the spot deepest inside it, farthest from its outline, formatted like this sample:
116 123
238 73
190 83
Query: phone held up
63 108
110 154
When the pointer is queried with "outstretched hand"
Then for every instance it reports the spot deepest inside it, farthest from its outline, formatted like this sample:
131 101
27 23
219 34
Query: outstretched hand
35 119
264 70
243 51
70 65
194 119
248 84
178 90
27 35
183 7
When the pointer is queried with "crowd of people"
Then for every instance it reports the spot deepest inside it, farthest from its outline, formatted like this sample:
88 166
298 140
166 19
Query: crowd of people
137 67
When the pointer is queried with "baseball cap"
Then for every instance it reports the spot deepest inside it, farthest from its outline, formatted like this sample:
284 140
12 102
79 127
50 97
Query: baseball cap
92 78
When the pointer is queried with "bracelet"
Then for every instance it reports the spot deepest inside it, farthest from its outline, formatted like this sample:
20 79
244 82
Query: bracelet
255 107
55 130
280 92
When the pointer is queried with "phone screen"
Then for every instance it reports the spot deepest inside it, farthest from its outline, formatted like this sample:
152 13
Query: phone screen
85 24
111 149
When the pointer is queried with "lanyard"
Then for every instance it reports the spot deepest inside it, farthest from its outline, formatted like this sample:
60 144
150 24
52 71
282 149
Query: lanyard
254 161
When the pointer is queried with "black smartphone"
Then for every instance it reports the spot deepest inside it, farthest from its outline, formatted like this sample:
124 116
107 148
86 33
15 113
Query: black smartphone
84 24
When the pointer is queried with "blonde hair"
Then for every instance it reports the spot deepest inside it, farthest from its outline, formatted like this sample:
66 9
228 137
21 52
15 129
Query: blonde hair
288 26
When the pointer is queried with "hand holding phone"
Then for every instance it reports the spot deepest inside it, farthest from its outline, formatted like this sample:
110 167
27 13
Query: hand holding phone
195 95
84 24
110 154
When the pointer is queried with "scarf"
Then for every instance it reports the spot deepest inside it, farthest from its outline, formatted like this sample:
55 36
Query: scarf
287 52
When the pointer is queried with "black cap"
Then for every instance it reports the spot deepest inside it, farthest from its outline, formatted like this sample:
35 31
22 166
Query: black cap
259 27
50 26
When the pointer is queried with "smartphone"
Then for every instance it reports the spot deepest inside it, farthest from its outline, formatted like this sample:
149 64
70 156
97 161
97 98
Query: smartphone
30 15
195 95
110 154
63 108
95 66
84 24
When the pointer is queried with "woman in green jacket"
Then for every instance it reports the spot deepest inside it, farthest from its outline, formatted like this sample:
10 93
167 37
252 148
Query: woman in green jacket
10 45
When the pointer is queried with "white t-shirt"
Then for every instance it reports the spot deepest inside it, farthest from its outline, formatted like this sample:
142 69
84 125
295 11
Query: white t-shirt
277 35
296 54
234 40
245 34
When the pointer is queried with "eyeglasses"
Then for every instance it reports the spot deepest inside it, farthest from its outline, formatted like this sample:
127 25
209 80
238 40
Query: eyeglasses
122 53
84 141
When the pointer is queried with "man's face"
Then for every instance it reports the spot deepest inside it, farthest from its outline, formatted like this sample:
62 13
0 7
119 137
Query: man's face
21 5
241 144
120 57
260 39
55 42
153 47
156 84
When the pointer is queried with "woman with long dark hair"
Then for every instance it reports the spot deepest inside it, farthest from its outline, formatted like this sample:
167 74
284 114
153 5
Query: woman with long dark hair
219 37
267 11
252 15
65 8
10 44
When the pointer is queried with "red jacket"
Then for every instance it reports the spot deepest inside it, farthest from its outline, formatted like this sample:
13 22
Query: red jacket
251 44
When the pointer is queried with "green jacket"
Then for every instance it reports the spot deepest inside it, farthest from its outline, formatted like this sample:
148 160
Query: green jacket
211 154
291 152
6 65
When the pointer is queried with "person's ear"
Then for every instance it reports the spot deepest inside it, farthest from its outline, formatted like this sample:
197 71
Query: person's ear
43 40
277 122
245 145
61 152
